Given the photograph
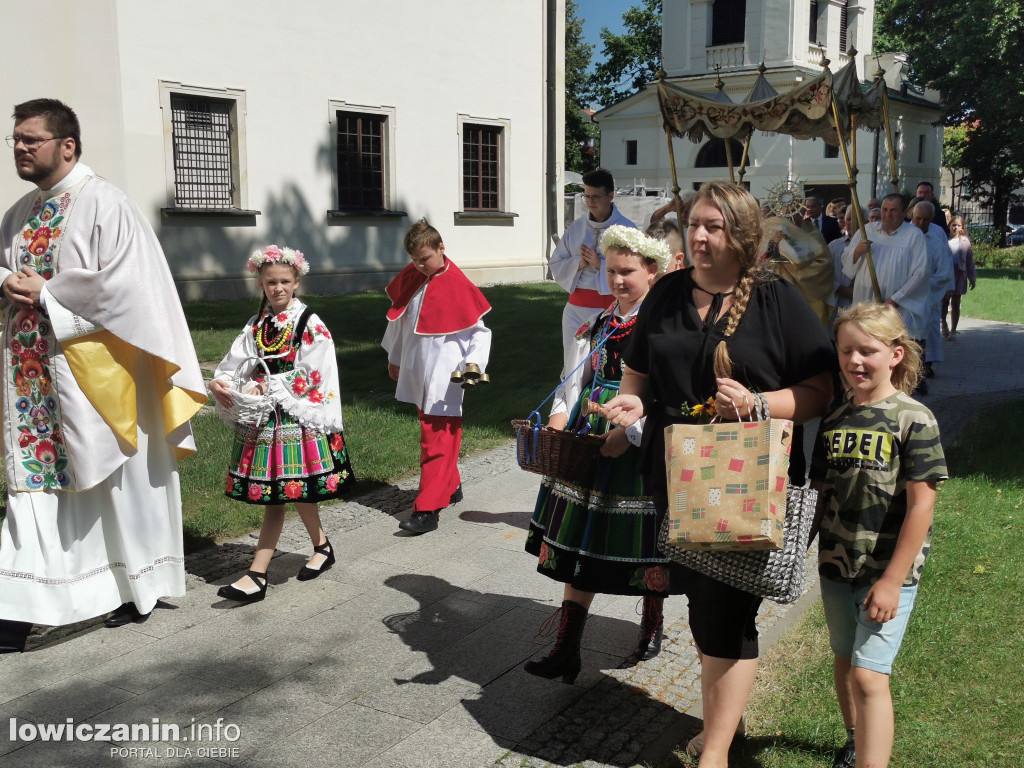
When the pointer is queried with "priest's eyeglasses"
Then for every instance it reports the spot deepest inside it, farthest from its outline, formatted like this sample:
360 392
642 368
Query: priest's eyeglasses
31 143
591 198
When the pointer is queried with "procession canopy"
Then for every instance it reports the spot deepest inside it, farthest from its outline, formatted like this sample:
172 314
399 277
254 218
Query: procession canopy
698 116
853 100
762 90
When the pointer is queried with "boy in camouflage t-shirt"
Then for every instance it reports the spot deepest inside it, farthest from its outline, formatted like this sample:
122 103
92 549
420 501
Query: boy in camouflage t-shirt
864 457
877 462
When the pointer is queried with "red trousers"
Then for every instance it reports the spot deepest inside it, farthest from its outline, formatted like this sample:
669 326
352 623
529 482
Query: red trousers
440 440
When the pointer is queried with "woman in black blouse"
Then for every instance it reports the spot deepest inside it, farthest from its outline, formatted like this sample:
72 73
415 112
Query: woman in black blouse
721 313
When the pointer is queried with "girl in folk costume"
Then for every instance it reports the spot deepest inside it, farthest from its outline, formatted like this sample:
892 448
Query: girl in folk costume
435 327
599 534
299 454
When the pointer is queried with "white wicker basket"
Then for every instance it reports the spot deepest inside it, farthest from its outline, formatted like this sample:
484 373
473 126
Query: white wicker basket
247 409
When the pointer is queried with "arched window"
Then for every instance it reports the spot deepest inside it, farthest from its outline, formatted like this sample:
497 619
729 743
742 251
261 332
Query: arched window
728 22
712 155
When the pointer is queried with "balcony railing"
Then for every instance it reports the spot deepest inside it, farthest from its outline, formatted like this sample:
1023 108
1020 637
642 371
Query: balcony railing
814 58
726 56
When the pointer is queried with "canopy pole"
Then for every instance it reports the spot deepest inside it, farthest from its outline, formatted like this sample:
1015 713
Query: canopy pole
851 175
853 144
893 176
720 86
746 152
677 201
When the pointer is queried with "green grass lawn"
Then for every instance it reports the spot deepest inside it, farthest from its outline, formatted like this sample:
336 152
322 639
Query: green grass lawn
958 683
382 434
998 296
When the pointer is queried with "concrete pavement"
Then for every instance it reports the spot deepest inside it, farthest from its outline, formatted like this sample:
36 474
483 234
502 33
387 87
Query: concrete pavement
408 652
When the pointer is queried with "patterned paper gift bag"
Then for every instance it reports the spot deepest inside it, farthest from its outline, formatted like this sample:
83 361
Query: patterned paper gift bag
727 484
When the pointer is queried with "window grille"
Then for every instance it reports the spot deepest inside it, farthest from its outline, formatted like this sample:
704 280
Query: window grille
481 168
361 160
201 133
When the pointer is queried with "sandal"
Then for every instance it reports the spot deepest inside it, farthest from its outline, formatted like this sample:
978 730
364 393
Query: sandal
306 573
231 592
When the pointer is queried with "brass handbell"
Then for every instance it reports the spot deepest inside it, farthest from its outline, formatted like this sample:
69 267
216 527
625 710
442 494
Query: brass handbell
470 377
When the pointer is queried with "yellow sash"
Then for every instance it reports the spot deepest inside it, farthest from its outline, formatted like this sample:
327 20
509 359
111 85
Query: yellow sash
104 367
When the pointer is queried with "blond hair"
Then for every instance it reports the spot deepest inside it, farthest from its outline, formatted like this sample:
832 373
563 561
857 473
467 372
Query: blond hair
883 322
743 223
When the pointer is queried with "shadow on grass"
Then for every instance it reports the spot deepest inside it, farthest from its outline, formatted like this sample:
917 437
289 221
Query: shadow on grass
526 348
1001 273
979 448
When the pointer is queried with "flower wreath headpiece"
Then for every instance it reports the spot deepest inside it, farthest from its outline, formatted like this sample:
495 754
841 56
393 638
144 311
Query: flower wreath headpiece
619 236
271 254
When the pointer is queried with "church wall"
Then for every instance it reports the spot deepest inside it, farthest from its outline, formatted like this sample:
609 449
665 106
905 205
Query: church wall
427 62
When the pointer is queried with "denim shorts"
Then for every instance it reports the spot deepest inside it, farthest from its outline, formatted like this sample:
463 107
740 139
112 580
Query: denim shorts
867 644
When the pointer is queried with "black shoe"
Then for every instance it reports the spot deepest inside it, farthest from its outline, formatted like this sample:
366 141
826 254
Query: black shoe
306 573
420 522
127 613
922 387
564 659
652 628
929 372
232 592
846 757
457 496
13 635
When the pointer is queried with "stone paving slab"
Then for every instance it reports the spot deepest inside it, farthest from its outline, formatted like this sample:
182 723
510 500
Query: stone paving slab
410 650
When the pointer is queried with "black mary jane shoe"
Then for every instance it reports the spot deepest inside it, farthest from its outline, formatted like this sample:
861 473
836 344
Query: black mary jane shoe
420 522
457 496
232 592
126 613
306 573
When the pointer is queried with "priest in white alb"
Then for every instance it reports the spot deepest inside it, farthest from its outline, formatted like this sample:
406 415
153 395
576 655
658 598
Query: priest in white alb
900 258
100 379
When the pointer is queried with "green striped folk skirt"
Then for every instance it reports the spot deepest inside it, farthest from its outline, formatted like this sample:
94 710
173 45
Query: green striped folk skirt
600 535
284 461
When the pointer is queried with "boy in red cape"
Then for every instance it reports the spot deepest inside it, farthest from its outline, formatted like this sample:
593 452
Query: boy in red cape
435 327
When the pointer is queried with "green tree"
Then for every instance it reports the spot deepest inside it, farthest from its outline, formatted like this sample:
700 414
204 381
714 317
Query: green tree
630 59
580 130
954 145
970 51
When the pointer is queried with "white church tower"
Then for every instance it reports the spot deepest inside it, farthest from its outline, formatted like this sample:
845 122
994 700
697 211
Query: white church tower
728 42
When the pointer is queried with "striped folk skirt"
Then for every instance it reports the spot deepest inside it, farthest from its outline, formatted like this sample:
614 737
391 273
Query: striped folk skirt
284 461
600 534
